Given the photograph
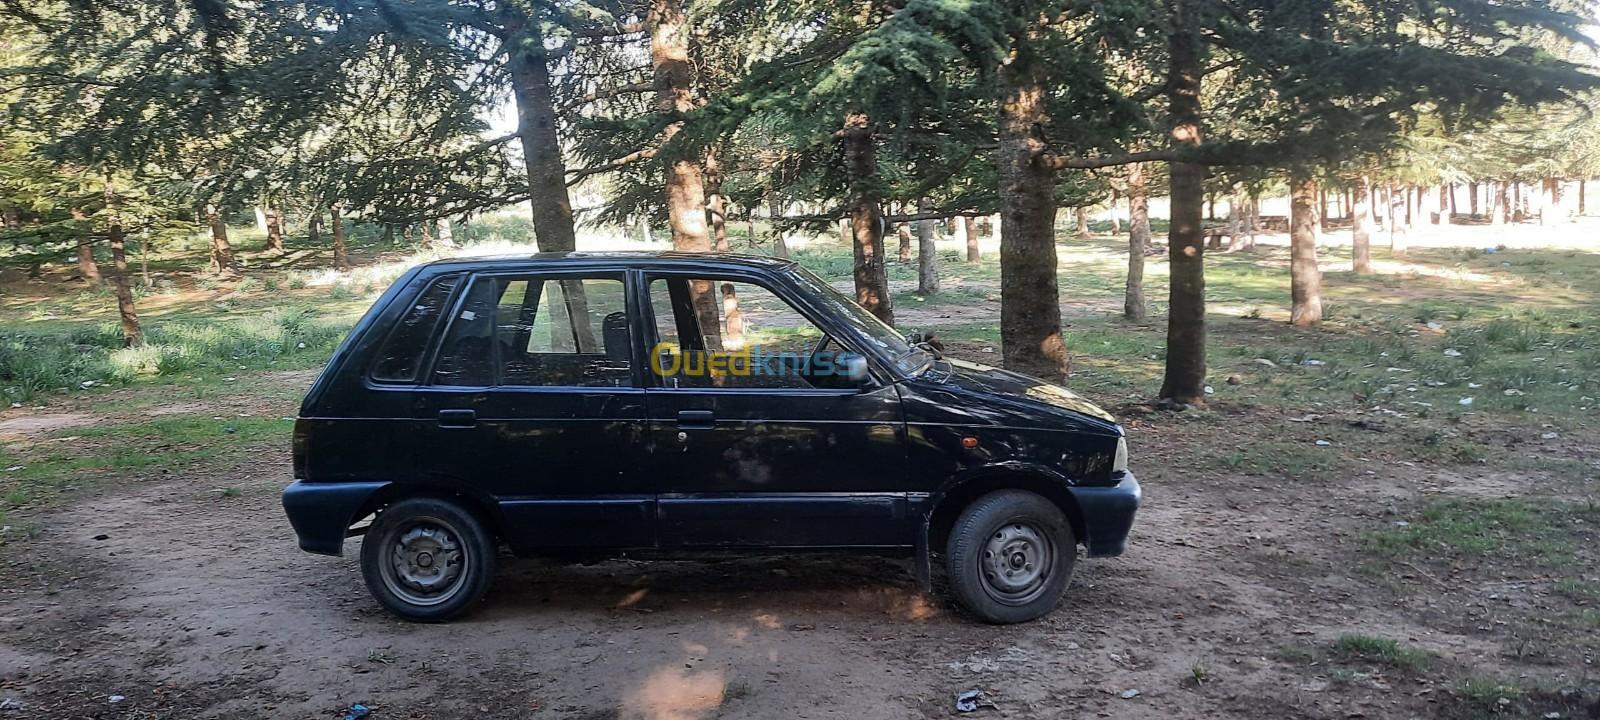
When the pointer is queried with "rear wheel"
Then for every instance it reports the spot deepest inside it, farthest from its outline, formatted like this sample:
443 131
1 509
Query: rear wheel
1010 556
427 559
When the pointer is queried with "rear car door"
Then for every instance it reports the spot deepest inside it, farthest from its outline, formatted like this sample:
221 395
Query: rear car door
755 443
534 399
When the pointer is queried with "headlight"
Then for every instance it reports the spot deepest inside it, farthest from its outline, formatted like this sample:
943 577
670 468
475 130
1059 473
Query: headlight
1119 464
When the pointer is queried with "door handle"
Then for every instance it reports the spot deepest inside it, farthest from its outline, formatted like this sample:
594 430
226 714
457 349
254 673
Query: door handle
458 418
697 419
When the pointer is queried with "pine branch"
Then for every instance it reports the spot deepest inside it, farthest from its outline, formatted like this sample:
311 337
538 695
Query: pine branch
575 175
1061 162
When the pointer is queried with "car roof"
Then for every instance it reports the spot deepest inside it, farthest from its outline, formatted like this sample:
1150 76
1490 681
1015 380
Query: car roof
665 260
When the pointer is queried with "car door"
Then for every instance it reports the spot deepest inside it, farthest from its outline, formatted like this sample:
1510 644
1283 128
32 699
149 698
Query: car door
534 400
755 445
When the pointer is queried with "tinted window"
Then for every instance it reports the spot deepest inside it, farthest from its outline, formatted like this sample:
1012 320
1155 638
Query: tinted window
910 359
731 333
402 351
537 331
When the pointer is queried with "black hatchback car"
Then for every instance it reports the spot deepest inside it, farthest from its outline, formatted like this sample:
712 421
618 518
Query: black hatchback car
574 404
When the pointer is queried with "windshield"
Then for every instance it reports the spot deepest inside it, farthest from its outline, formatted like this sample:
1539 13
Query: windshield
908 358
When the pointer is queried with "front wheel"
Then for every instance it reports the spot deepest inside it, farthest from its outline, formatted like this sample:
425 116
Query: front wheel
1010 556
427 560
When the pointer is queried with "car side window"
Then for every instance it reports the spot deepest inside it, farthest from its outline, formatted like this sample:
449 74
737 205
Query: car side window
536 331
401 353
732 333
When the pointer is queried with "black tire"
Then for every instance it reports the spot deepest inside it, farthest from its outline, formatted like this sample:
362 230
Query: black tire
427 559
1010 556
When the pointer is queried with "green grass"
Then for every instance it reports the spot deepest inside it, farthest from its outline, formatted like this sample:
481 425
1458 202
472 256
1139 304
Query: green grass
1578 589
1487 692
1542 532
73 459
88 355
1379 649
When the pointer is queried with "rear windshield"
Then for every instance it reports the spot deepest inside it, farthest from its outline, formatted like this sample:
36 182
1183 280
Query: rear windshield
402 351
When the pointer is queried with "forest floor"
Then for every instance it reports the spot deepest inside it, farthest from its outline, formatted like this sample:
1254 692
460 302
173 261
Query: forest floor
1395 515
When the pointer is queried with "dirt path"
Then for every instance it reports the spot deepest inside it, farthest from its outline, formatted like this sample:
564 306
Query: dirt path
187 604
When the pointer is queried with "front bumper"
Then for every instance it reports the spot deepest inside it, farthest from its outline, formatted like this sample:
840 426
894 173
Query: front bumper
322 512
1108 514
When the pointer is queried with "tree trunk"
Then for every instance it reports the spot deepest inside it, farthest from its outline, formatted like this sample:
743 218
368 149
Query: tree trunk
1583 188
1254 223
927 256
750 225
1322 209
1500 213
87 269
1133 305
274 229
780 249
717 213
341 261
1361 226
1305 280
314 228
261 220
1447 204
1472 198
446 237
1030 298
132 334
528 60
1184 381
903 232
669 58
866 216
847 235
1552 202
1236 219
1081 217
222 261
970 230
716 204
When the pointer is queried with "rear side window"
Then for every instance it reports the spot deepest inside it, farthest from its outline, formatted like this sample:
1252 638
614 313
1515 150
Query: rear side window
402 351
539 331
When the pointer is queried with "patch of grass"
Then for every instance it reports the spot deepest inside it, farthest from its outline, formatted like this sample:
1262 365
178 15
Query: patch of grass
1300 460
1487 692
75 458
283 337
1540 531
1578 589
1385 650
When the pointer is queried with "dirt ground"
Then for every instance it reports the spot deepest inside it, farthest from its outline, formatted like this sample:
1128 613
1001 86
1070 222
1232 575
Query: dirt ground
158 599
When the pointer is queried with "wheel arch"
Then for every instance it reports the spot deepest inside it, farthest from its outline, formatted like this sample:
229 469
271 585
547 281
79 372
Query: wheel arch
962 490
481 506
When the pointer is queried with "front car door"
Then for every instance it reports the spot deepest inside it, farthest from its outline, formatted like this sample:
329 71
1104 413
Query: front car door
759 432
534 399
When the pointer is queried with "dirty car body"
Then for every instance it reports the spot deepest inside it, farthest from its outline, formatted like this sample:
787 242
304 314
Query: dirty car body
526 401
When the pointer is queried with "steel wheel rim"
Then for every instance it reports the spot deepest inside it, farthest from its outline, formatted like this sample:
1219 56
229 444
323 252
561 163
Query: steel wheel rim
1016 562
425 562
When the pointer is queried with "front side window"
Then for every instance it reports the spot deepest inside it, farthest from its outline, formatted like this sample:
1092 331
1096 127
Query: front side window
401 353
539 331
908 358
731 333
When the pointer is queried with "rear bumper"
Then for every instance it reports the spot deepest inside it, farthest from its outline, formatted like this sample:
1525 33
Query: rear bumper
322 512
1108 514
